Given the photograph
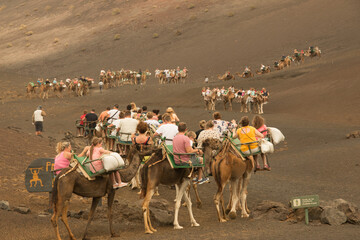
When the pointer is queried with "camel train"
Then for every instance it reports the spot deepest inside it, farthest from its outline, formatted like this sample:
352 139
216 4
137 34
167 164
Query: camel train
224 159
253 103
113 79
171 76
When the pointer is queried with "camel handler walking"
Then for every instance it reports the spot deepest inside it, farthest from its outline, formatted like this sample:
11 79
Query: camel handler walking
37 120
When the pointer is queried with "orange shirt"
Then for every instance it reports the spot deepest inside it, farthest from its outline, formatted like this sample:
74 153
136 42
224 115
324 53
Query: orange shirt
247 134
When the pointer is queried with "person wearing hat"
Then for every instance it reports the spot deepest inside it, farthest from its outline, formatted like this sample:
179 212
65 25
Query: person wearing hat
37 120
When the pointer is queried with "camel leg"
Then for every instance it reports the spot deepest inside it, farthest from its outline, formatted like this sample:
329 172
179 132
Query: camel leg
179 196
234 199
218 199
55 217
111 197
189 206
187 192
65 220
198 200
243 194
94 204
146 212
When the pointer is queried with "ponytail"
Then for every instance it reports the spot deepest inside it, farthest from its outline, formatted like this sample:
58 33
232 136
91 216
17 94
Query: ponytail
60 146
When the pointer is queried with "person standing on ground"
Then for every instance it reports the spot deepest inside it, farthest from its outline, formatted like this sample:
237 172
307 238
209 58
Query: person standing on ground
38 119
101 84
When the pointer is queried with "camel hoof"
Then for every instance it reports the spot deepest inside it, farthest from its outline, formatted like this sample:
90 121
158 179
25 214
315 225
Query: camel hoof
178 227
195 224
199 205
222 220
184 204
232 215
227 211
244 215
148 232
156 194
115 235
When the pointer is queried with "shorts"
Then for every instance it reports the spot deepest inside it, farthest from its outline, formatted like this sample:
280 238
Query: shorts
254 150
38 126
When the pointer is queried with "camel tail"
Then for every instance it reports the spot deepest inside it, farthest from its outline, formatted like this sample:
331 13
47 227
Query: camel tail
54 193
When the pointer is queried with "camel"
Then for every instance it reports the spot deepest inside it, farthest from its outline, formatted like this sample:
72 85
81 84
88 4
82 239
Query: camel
263 71
69 181
58 88
287 61
245 74
158 170
44 91
144 76
313 52
228 98
228 166
298 57
31 89
226 77
243 105
183 76
210 101
279 65
258 103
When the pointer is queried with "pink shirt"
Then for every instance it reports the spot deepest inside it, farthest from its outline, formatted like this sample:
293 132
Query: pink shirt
180 143
61 162
96 165
263 130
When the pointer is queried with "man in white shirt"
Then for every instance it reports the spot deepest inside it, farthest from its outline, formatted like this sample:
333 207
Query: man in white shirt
113 114
127 126
37 120
151 120
167 130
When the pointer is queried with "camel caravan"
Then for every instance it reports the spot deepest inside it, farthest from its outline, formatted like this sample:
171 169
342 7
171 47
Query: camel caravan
171 75
298 57
111 79
77 86
252 101
163 151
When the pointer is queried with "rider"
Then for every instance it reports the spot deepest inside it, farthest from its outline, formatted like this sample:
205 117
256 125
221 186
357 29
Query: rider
54 82
262 68
247 70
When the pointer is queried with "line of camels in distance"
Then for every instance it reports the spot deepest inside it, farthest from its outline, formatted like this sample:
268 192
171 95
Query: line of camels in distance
285 61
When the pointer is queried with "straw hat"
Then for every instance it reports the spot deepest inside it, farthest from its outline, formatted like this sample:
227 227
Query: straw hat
169 110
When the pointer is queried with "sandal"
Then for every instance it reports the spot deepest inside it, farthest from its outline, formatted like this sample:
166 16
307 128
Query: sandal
266 167
258 168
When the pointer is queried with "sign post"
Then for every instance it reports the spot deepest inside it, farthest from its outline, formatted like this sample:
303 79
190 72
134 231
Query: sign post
305 202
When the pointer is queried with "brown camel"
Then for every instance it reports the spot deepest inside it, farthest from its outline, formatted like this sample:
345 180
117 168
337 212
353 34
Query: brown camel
157 170
263 71
298 57
58 89
31 89
279 65
226 77
144 76
228 166
245 74
258 103
313 52
183 76
243 103
44 91
210 101
228 98
69 181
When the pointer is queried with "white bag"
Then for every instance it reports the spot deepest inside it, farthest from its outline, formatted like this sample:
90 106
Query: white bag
112 161
98 127
266 146
276 135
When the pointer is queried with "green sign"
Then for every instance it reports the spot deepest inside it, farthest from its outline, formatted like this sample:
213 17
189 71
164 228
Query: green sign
305 201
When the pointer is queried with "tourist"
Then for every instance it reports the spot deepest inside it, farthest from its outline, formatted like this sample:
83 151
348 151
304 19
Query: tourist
113 114
221 125
63 157
127 127
209 132
173 116
37 120
182 144
80 126
91 119
259 123
104 115
247 134
202 128
168 130
142 139
152 120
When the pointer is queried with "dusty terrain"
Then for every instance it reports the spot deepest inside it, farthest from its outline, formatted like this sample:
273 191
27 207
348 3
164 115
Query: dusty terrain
315 104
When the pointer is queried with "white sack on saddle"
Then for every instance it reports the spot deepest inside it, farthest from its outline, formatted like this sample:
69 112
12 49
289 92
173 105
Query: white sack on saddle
276 135
266 146
112 161
98 127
